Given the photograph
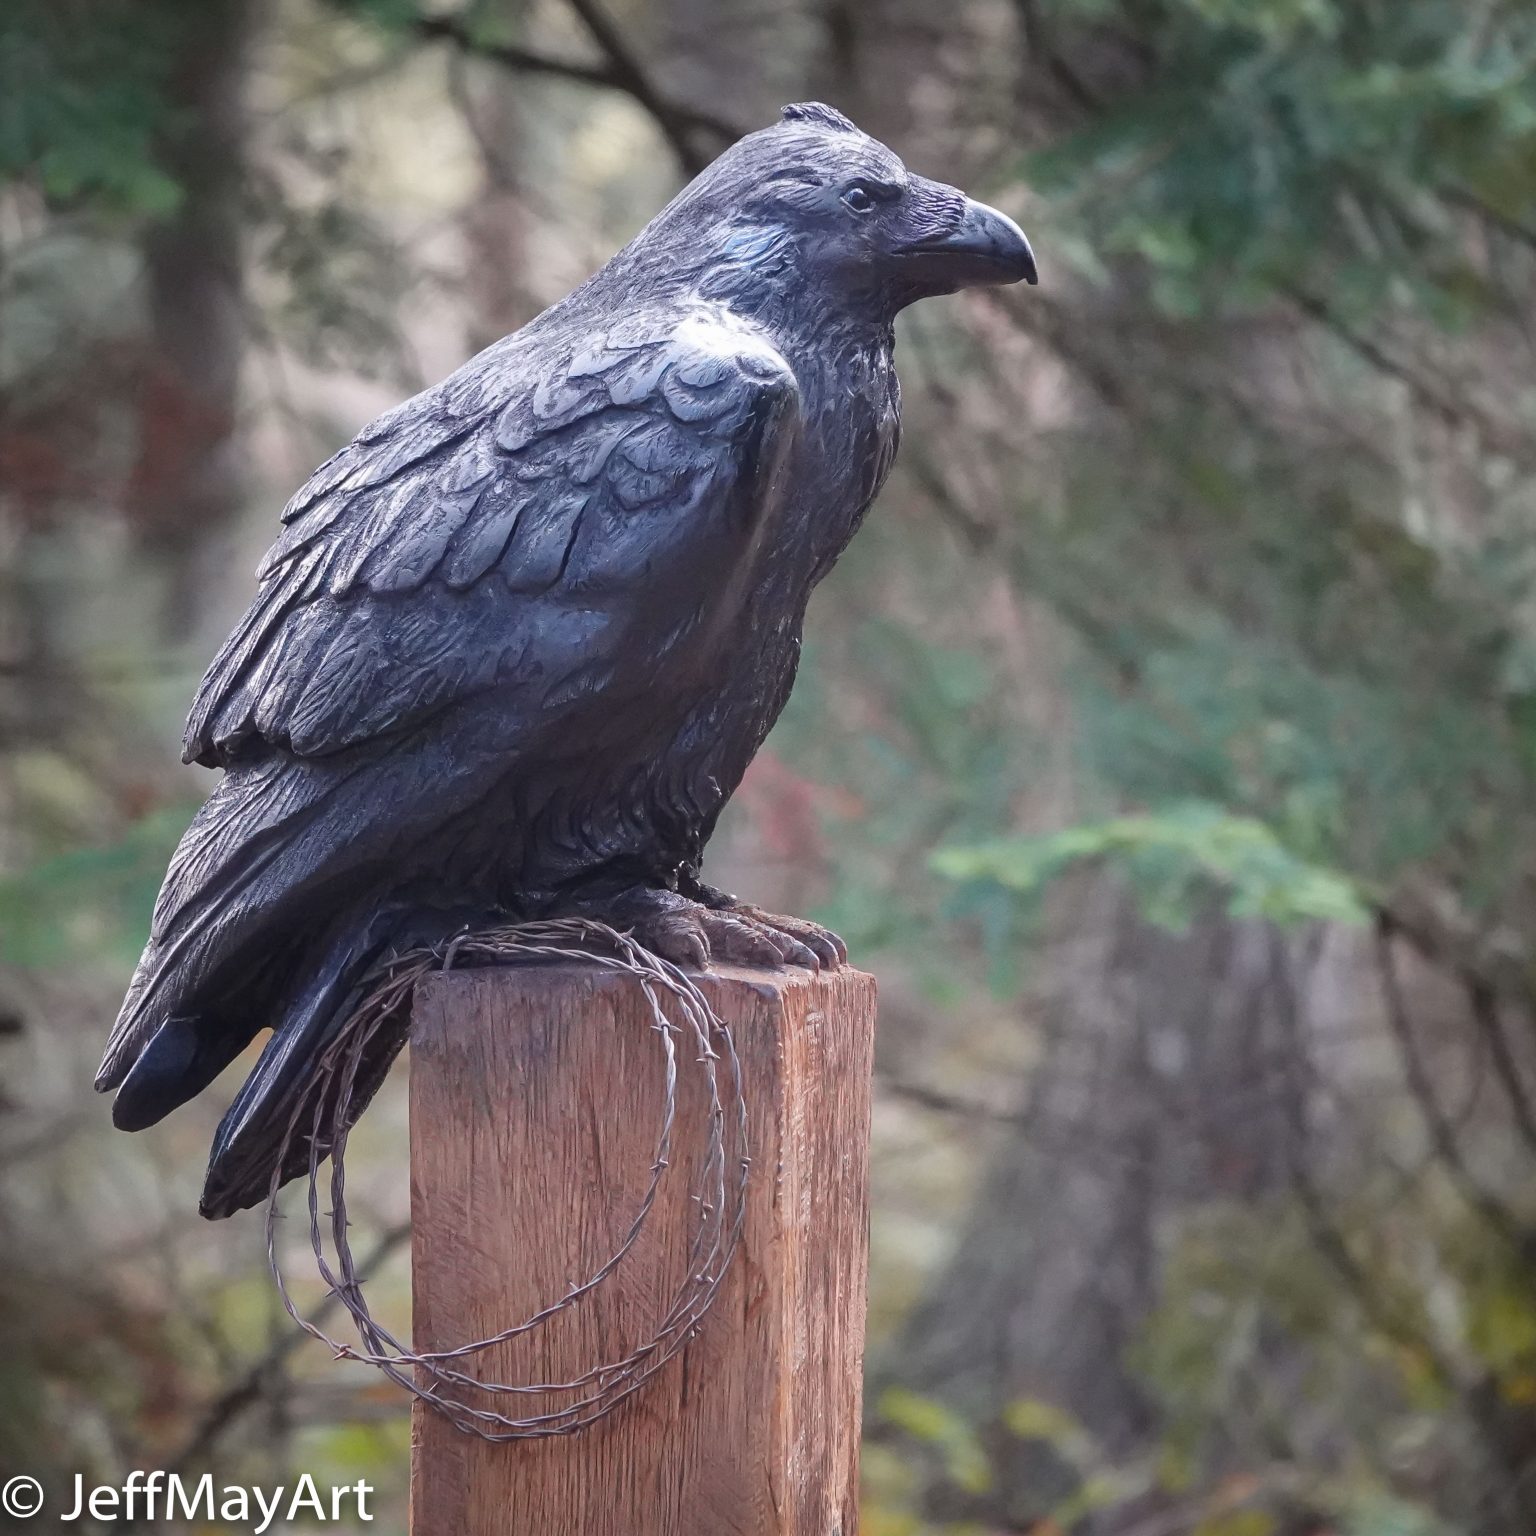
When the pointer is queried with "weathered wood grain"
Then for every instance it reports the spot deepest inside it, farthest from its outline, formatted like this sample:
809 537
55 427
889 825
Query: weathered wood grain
535 1096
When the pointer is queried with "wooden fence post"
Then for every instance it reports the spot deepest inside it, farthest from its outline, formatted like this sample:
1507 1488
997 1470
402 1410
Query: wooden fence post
535 1096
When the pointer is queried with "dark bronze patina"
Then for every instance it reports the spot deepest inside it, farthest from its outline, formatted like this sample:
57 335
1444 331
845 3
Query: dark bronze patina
519 640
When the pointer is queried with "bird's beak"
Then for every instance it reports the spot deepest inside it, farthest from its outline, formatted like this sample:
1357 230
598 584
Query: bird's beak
984 247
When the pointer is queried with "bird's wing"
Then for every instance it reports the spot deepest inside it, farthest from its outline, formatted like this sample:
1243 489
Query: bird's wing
493 526
551 540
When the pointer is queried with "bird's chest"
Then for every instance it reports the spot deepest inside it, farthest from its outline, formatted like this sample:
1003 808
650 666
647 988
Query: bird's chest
850 430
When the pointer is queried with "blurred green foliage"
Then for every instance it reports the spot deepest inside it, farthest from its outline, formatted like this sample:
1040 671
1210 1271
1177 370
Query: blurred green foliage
94 900
1320 145
1171 861
83 102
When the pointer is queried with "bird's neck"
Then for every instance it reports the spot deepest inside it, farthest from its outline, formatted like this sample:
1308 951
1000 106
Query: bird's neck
822 335
760 275
812 333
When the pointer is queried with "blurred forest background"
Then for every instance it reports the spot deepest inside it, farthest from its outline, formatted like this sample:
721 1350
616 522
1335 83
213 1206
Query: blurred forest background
1166 742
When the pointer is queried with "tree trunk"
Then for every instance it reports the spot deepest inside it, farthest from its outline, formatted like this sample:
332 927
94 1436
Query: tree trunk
1161 1089
186 483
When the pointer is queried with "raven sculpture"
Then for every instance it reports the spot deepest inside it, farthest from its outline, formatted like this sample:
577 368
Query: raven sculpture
519 640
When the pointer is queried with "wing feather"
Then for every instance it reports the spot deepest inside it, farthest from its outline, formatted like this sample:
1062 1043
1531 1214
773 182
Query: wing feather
380 603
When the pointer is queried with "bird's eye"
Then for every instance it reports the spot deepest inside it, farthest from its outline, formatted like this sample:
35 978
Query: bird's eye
857 199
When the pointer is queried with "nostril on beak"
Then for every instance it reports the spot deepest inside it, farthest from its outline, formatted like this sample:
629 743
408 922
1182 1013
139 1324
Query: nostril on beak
984 247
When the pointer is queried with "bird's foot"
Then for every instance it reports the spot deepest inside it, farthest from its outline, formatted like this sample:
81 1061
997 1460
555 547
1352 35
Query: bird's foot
828 951
720 929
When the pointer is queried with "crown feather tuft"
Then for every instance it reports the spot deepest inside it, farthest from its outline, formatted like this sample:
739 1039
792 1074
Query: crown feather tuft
819 113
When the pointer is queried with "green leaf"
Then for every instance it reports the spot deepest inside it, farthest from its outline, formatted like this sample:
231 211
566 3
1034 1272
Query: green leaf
91 900
934 1423
1031 1418
1172 859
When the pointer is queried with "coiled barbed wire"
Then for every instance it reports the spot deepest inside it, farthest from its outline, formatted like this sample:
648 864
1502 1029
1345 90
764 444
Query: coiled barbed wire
719 1182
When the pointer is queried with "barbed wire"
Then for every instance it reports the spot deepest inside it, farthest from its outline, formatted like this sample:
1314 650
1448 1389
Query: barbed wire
718 1183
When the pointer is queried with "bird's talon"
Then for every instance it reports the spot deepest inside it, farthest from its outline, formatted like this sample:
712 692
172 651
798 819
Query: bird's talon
696 934
808 944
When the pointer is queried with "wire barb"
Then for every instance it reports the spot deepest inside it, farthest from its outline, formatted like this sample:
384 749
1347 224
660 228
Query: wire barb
720 1196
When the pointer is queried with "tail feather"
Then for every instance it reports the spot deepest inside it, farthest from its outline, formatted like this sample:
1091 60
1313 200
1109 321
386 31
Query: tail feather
263 921
180 1059
285 1082
285 1087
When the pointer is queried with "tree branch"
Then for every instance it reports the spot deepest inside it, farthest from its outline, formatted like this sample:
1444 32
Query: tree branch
249 1389
447 29
1488 1018
1442 1134
1459 197
681 125
1452 408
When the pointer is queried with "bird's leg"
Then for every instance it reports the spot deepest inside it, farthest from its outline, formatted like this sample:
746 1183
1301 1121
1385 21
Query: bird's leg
694 931
829 950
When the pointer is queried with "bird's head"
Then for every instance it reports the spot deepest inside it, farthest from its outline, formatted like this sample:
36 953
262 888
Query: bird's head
814 201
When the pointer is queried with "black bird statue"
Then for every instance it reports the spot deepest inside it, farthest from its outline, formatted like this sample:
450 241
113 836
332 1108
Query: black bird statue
519 640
